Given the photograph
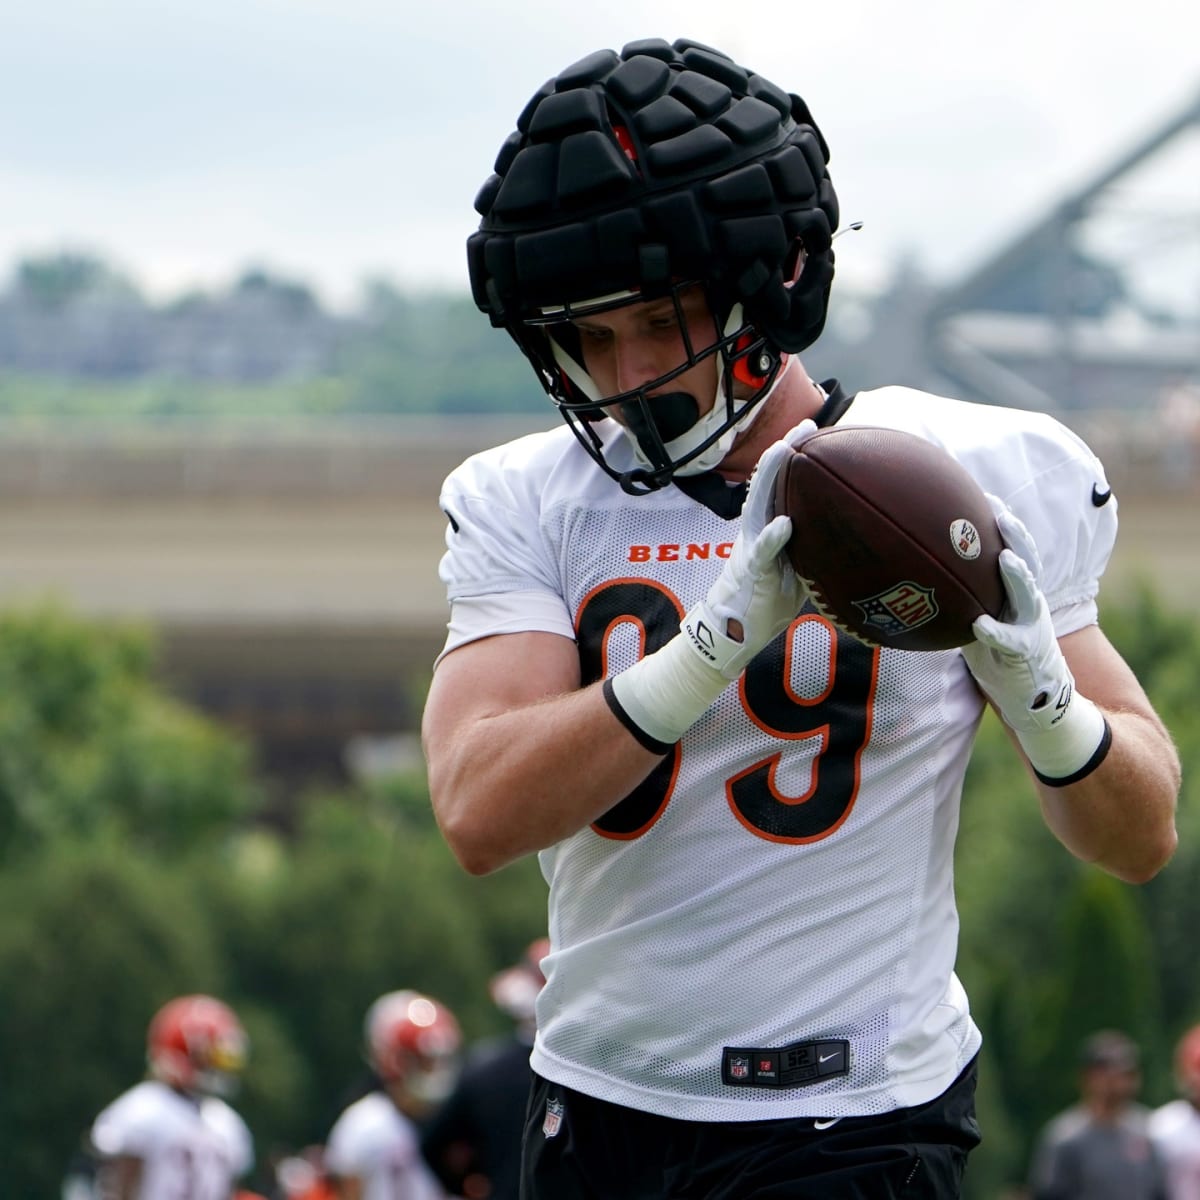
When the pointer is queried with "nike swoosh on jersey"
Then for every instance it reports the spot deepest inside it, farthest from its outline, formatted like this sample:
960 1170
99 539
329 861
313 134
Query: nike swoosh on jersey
826 1124
1099 498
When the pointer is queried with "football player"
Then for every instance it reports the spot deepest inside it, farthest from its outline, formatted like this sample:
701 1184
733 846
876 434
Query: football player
174 1134
1100 1147
746 818
411 1043
473 1141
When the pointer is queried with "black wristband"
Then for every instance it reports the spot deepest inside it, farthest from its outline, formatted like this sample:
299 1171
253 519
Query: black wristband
651 744
1088 767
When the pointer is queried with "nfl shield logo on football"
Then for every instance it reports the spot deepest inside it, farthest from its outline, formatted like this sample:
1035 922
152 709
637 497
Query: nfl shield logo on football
899 609
739 1067
554 1116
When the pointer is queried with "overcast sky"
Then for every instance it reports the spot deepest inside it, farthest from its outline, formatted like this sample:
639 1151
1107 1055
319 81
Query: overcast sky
335 139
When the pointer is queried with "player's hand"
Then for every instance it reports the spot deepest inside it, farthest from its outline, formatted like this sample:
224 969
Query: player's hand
1020 667
757 594
1017 662
755 597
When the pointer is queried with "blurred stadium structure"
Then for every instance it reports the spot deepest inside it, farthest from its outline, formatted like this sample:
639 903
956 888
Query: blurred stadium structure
291 563
1092 312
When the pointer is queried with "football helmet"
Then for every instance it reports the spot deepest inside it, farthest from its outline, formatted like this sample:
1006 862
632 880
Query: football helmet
639 175
1187 1064
515 989
414 1041
197 1044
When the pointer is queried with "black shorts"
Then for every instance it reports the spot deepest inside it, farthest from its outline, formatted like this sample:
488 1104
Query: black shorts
580 1148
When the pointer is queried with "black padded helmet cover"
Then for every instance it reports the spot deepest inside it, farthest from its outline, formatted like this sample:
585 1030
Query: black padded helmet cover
661 164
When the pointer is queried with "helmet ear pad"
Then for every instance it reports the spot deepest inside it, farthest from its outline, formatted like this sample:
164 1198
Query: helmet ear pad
751 365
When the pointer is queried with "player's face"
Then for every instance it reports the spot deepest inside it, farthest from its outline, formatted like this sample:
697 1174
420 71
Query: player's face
627 348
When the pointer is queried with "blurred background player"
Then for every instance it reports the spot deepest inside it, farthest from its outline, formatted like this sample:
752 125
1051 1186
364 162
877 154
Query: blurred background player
173 1134
1100 1148
1175 1127
473 1141
373 1152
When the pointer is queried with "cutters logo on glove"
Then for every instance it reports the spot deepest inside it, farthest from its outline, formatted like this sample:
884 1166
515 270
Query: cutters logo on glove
1063 702
702 638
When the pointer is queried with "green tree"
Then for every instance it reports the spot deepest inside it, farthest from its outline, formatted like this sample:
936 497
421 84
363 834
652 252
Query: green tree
90 744
94 941
54 281
1052 949
360 904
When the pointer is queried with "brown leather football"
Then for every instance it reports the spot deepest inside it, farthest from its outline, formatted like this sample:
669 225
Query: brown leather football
895 539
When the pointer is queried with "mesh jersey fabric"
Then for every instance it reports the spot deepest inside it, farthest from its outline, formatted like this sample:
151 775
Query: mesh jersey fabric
787 873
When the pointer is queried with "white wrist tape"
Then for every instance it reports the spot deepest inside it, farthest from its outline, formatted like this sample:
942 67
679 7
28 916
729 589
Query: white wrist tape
1070 747
666 693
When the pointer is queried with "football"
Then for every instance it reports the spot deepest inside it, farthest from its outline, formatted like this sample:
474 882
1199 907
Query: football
896 541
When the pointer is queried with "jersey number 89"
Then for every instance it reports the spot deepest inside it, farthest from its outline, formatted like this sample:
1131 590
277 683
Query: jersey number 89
839 716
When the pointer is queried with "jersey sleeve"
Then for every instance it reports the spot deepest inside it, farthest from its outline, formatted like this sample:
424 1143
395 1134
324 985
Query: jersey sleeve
499 575
1054 483
342 1150
234 1133
358 1141
125 1127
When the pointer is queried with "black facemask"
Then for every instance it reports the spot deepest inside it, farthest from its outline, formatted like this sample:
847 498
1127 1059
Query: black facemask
660 419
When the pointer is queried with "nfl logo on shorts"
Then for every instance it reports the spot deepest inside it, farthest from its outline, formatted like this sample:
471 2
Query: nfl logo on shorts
554 1115
739 1066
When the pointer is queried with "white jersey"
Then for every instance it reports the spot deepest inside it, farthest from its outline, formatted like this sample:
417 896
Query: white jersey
1175 1130
376 1143
191 1148
787 873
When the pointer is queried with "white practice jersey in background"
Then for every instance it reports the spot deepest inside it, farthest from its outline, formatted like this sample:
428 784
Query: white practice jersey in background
376 1143
787 873
191 1148
1175 1130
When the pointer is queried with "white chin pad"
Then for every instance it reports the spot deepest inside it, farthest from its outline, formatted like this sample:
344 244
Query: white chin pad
712 421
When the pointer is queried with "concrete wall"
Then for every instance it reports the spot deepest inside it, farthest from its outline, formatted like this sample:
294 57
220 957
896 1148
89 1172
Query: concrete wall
292 570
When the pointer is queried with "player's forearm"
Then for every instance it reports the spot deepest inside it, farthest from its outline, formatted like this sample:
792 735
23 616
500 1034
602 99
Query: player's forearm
1122 816
515 782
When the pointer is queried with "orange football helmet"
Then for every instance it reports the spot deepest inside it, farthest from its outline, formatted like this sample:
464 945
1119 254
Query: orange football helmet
197 1044
413 1040
515 989
1187 1063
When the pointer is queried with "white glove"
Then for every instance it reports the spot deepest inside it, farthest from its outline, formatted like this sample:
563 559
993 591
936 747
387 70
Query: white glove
1021 669
756 597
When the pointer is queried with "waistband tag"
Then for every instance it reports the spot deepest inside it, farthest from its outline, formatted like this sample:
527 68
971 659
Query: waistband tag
797 1065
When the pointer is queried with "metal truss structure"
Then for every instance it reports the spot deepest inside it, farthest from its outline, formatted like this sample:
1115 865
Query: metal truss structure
1096 307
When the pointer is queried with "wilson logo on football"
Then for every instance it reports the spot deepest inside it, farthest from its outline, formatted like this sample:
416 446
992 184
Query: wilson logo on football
964 537
901 608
